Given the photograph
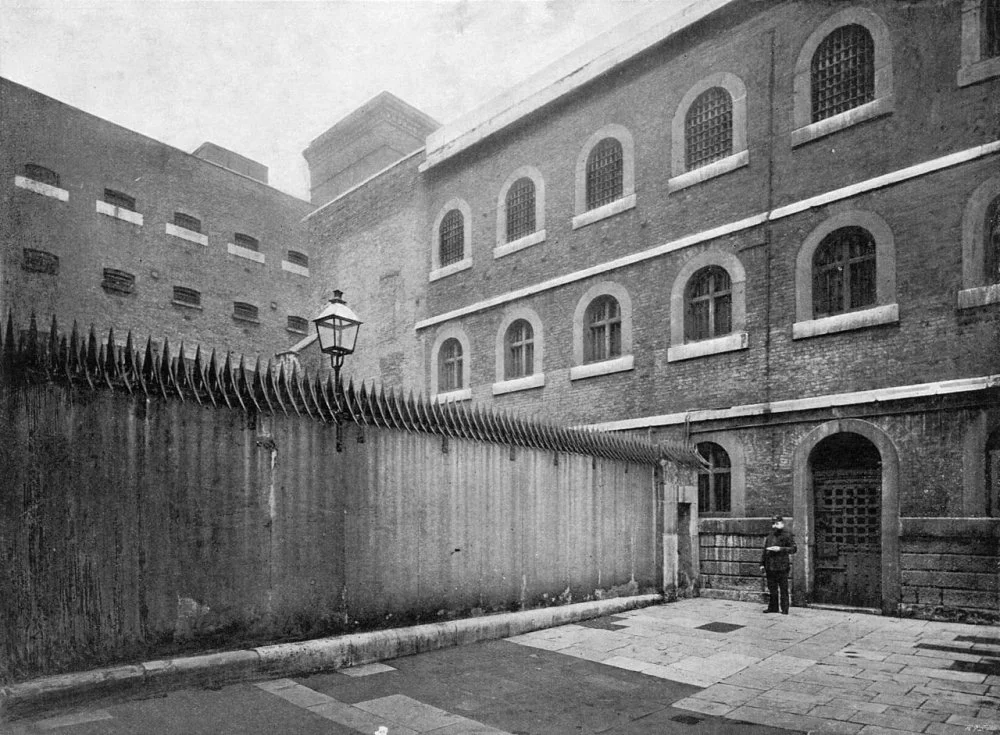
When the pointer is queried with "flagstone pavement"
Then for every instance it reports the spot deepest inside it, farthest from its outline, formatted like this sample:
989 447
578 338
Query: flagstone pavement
814 670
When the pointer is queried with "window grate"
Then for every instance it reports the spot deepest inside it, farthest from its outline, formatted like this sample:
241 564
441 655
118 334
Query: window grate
452 238
991 28
605 171
116 281
187 222
450 366
520 350
245 241
296 258
843 72
991 232
714 481
118 199
245 311
520 209
39 261
187 296
604 330
708 128
709 304
298 324
41 174
844 272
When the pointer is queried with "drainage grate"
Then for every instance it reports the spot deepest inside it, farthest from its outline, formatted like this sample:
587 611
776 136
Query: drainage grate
989 666
686 719
719 627
978 639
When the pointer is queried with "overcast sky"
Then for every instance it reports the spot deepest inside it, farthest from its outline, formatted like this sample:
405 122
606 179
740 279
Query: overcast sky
265 78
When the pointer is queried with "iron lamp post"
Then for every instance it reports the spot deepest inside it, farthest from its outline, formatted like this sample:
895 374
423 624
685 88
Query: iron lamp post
337 328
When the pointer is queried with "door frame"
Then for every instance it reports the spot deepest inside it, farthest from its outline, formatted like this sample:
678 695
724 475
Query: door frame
803 508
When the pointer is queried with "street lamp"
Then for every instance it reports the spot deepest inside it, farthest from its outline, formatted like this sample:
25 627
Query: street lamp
337 330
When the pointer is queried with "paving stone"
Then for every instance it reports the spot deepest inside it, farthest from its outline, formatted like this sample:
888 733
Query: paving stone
885 719
703 706
837 727
974 723
879 730
943 728
727 693
416 715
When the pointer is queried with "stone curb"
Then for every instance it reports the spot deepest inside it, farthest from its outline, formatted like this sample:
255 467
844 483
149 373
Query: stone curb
294 659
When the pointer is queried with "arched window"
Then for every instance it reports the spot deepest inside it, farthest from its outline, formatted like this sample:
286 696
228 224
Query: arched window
605 168
520 207
843 72
708 304
991 244
450 366
714 481
990 26
519 350
603 329
844 272
708 128
41 174
451 238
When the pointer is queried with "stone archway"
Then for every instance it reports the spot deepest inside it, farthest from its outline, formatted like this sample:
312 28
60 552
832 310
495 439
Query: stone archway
804 510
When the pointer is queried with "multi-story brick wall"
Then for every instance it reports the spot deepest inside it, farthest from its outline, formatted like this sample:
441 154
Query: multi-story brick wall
90 155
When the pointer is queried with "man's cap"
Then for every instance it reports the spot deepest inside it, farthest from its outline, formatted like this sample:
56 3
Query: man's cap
775 519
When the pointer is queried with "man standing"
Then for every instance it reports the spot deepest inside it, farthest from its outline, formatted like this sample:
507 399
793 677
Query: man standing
775 564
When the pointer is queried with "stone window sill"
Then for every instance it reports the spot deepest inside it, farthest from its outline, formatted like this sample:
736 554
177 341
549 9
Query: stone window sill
978 72
119 213
887 314
520 244
196 307
517 384
715 346
606 367
450 270
296 331
246 319
293 268
185 234
453 396
970 298
608 210
870 111
710 171
39 188
247 253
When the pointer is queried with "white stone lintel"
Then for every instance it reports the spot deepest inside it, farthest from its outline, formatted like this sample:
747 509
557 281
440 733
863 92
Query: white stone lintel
39 188
241 252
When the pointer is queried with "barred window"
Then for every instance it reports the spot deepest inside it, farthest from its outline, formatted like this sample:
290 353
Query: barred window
714 481
118 199
245 241
843 72
39 261
245 311
519 350
41 174
709 304
991 247
296 258
520 209
187 296
990 28
298 324
603 323
450 366
605 169
452 238
844 272
187 222
708 128
116 281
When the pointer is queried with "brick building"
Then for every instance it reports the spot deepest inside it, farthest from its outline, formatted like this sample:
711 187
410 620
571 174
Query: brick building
771 228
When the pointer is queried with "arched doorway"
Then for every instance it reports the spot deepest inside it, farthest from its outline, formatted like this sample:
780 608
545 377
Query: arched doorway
846 471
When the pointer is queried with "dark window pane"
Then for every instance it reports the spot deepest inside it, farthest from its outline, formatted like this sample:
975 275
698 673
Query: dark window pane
992 245
450 366
116 281
602 329
605 168
297 258
187 296
246 241
709 304
118 199
452 238
991 28
298 324
247 312
39 261
844 272
187 222
843 72
41 174
708 128
520 209
519 350
714 481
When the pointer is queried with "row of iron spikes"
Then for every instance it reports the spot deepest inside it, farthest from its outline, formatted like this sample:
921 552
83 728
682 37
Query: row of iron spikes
88 360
